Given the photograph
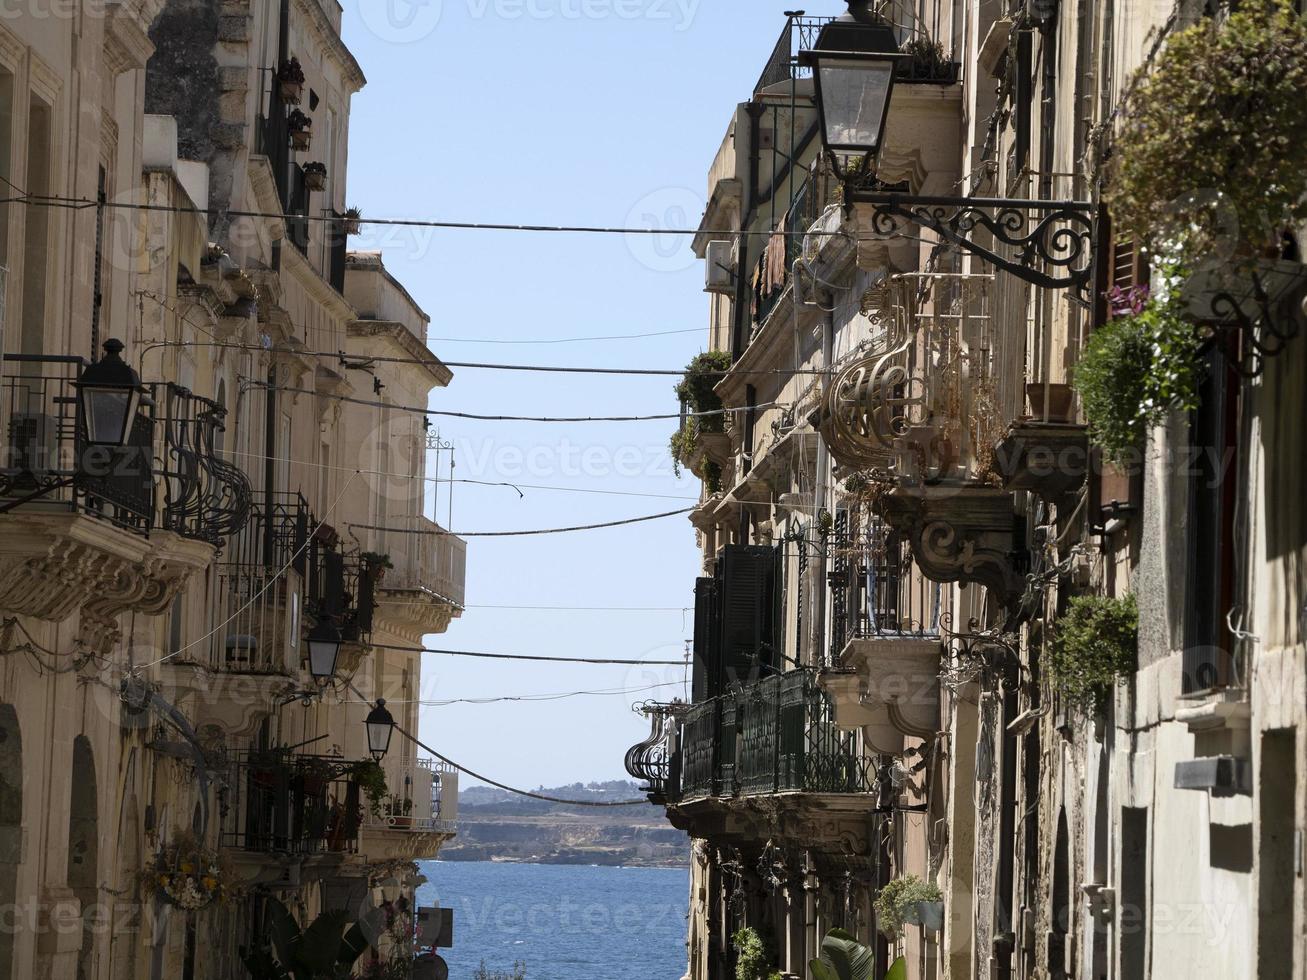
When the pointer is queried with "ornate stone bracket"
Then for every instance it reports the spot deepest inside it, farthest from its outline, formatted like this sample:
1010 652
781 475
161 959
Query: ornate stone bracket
960 533
53 565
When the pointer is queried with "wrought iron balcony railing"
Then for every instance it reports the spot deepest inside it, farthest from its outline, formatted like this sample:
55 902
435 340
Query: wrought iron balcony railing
775 266
774 736
923 404
169 476
876 589
258 608
280 804
927 64
655 761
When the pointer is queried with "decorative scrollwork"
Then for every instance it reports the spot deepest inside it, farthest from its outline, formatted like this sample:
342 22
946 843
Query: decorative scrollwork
1048 243
990 656
1257 335
651 760
206 497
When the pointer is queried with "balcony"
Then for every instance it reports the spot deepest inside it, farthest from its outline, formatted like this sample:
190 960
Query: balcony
773 737
655 761
285 567
277 803
886 649
801 33
770 281
418 818
107 530
924 409
425 590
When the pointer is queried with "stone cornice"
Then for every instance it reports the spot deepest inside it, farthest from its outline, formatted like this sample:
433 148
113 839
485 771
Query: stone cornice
294 264
127 45
325 33
402 341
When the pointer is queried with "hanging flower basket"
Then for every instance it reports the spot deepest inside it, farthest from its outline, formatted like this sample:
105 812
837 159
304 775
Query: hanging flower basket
315 176
301 130
290 82
188 875
353 221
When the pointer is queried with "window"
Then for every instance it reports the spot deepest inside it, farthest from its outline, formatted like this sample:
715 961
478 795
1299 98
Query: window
1212 467
36 243
176 624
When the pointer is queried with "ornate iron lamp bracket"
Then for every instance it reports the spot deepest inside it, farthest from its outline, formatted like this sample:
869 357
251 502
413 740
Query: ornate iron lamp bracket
1050 243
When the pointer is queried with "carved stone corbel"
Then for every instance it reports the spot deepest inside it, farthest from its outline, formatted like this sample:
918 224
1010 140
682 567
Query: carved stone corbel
960 533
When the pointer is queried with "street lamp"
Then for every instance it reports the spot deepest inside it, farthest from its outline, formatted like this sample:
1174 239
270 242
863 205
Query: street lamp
109 394
1050 244
853 69
381 726
324 647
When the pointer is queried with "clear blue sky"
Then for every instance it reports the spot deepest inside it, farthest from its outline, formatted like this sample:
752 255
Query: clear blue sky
569 112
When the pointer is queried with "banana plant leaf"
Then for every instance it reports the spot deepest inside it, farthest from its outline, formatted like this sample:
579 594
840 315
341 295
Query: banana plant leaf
843 958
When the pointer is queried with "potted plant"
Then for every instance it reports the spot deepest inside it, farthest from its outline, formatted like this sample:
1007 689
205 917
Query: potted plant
1187 169
353 221
315 176
1093 645
401 813
1050 402
376 564
301 130
903 901
371 779
695 392
315 774
290 81
1140 366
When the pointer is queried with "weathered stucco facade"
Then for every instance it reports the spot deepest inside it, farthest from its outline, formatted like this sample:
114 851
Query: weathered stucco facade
154 677
890 399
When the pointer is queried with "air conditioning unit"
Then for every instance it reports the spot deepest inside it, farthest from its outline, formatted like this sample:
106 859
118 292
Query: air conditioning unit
720 273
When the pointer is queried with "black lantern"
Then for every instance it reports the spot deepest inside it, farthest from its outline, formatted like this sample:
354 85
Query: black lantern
853 69
109 394
324 648
381 725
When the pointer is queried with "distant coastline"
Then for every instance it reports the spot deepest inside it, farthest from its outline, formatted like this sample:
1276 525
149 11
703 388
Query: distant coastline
498 827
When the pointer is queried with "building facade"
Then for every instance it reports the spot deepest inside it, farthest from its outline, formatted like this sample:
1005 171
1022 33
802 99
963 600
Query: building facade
158 703
905 513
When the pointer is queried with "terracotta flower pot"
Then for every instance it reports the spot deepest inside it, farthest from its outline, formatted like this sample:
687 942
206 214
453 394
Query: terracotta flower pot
1050 402
291 92
301 139
315 180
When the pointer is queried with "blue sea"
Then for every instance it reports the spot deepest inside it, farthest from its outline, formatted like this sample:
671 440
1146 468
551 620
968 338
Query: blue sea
564 922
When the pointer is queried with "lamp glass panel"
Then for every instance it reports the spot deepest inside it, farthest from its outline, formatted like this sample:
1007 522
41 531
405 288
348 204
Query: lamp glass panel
322 657
855 96
379 733
107 414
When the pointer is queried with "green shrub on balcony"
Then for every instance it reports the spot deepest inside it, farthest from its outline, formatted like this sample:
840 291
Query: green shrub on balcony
695 392
1094 645
1139 367
1210 150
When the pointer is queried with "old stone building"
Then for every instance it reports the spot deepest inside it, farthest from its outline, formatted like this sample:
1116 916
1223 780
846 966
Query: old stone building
912 716
172 597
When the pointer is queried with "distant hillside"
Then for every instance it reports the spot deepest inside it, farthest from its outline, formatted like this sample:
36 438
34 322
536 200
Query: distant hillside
495 825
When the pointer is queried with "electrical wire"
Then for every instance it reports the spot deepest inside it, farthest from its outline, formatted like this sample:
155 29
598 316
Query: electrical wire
529 697
363 361
499 418
84 204
531 657
562 340
519 487
521 534
510 789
